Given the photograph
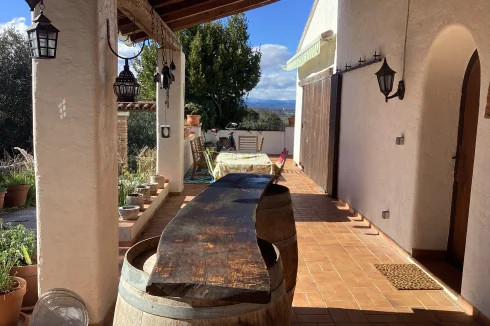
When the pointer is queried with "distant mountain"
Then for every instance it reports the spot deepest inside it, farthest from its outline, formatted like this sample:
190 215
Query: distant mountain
256 103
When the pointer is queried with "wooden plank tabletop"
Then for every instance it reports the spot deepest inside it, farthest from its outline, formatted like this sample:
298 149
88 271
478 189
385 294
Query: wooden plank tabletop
209 250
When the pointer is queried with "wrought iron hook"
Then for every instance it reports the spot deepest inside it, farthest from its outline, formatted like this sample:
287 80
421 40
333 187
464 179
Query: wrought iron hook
115 53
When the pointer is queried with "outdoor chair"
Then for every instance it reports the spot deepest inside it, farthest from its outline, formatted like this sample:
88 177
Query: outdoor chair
198 157
248 143
279 165
210 160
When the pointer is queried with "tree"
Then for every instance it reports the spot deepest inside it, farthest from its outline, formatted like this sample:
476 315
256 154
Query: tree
145 67
262 120
221 69
15 91
142 125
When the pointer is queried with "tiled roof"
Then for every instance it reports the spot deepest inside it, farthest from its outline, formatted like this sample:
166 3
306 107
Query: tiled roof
136 106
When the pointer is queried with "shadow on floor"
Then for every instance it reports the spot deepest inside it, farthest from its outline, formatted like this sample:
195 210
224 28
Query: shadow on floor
354 317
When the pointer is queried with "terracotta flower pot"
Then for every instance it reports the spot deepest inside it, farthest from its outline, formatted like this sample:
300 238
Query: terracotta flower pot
29 274
10 304
193 119
16 195
2 196
129 212
158 179
291 121
136 200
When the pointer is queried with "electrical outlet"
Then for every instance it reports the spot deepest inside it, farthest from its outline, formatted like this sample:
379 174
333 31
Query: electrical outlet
385 215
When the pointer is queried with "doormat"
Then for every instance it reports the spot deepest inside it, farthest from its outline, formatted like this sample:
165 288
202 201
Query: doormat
205 178
407 277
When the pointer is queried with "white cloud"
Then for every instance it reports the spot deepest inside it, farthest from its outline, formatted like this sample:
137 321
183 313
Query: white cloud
126 51
275 83
19 23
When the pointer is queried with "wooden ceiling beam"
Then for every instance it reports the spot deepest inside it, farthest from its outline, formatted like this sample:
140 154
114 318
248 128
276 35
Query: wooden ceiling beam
139 10
191 7
162 3
217 13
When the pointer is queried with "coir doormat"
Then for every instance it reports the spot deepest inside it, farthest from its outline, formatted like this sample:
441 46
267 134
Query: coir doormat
407 277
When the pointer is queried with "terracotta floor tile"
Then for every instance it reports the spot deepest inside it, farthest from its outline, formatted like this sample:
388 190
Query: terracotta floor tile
337 281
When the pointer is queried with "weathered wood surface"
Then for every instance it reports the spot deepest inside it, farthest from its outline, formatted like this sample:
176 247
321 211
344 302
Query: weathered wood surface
209 250
140 11
134 307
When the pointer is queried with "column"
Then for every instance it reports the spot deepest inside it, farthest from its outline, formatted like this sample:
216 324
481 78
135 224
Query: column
170 151
75 145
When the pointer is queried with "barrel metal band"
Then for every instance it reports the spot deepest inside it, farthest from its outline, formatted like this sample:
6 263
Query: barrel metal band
136 277
175 312
283 244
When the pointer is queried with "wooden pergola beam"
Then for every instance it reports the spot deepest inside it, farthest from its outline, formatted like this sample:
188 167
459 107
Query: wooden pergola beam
217 13
140 11
181 10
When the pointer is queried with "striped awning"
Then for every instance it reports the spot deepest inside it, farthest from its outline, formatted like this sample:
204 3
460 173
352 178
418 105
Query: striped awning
308 52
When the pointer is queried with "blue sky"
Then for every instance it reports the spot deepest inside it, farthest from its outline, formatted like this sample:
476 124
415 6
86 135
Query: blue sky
276 28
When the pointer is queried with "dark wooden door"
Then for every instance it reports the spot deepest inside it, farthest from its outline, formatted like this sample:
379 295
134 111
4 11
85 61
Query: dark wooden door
315 131
465 155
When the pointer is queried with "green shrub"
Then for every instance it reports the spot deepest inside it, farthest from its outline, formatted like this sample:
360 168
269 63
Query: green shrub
7 282
13 238
127 185
262 121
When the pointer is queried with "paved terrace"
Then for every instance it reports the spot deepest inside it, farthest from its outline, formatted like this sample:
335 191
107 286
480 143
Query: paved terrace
337 282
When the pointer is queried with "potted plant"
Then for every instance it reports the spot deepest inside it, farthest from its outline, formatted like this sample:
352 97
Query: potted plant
17 189
136 200
129 212
145 191
222 140
153 188
193 119
158 179
3 191
12 291
19 245
291 120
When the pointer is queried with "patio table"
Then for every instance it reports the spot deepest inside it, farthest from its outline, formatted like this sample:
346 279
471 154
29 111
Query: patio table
210 250
233 162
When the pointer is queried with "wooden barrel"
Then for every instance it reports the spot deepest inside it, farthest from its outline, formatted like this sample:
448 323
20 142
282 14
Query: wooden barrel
136 307
275 223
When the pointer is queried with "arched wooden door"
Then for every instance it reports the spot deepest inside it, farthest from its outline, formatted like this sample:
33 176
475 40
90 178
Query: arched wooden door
464 159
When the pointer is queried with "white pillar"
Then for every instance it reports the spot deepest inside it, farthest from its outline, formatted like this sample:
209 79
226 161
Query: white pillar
170 151
75 134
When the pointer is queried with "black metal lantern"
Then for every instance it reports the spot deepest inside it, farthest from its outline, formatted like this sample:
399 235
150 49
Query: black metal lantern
43 37
386 77
126 86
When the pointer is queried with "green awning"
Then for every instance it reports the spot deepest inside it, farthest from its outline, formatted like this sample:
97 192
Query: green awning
306 54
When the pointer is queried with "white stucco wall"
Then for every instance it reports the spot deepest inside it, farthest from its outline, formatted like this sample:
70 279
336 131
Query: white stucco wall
414 181
75 145
188 160
323 18
274 141
170 151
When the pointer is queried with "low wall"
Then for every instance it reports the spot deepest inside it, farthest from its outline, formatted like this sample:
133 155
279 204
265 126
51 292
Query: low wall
274 141
187 153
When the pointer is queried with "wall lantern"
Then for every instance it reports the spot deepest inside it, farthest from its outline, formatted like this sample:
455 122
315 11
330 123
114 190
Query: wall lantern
126 86
386 77
43 37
